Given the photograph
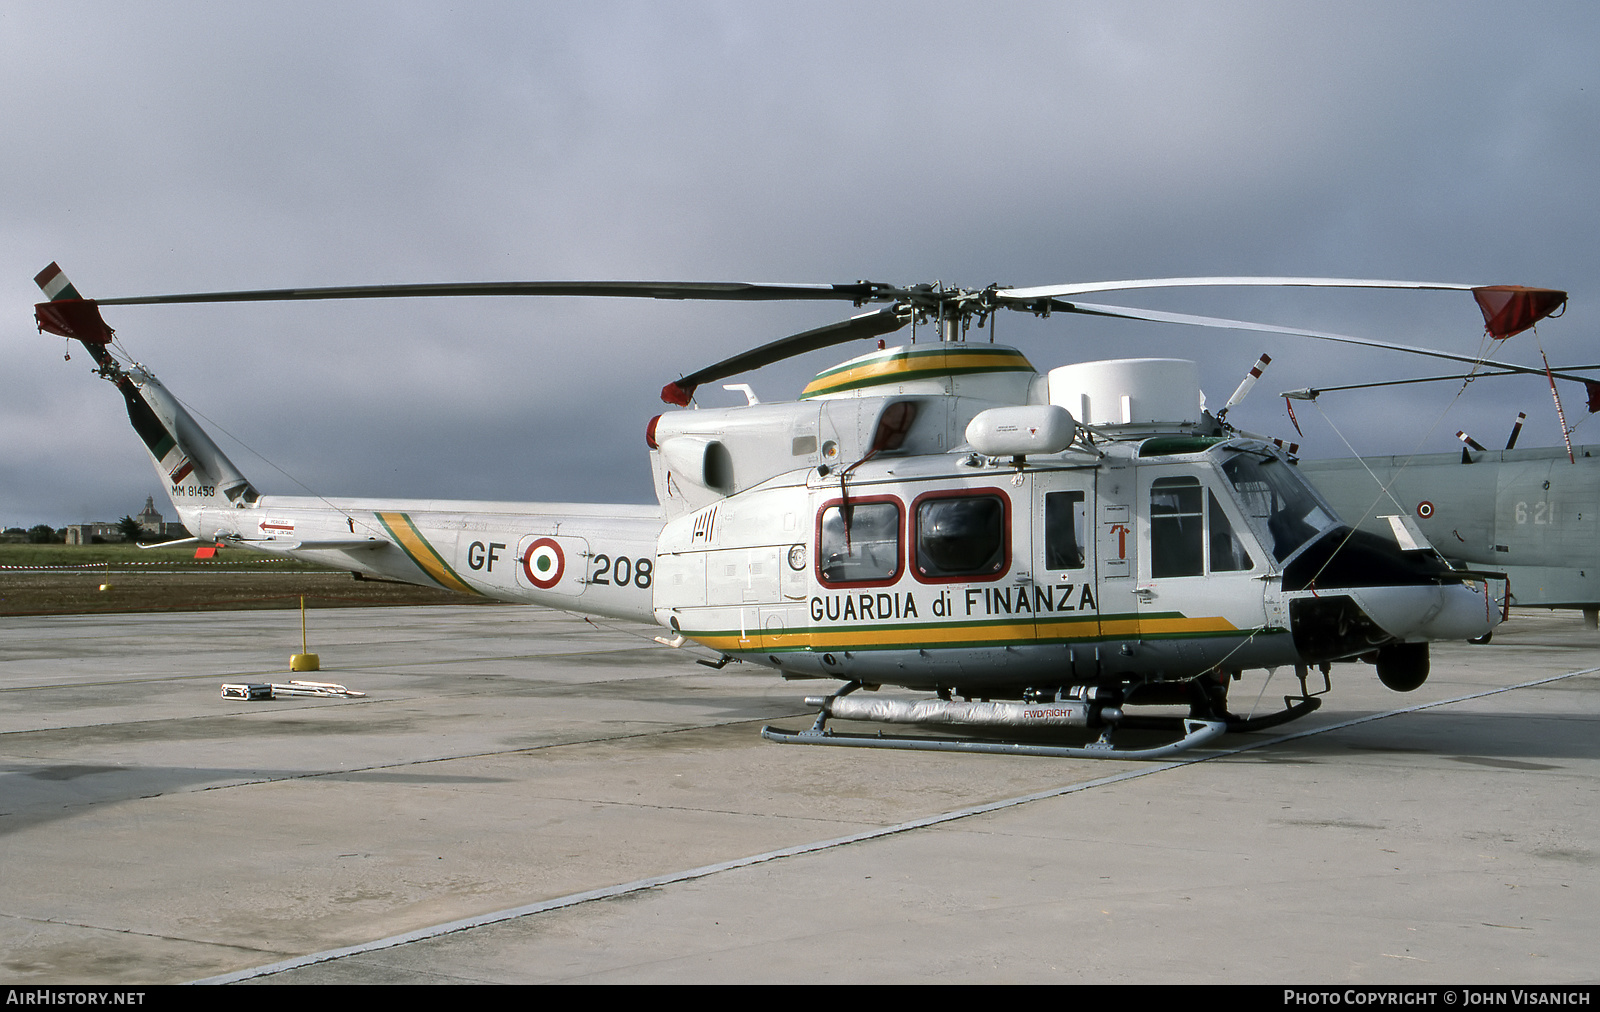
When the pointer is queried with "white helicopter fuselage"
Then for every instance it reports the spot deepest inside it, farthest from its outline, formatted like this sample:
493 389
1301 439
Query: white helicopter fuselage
970 574
885 549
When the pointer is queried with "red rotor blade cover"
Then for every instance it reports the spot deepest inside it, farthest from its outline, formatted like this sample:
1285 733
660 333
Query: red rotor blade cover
1511 309
79 318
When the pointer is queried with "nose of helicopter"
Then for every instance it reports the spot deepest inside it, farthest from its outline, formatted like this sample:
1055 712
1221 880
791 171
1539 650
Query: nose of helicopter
1353 593
1451 611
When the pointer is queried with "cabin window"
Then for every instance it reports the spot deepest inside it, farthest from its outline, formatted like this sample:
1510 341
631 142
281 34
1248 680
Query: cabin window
859 542
961 535
1063 530
1176 527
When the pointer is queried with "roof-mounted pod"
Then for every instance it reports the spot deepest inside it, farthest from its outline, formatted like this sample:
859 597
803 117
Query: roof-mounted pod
1149 395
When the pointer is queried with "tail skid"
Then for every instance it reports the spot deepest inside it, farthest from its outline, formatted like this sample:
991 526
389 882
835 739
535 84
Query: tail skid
193 469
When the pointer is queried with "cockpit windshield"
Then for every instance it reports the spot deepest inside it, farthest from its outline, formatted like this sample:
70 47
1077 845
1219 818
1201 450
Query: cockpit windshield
1278 504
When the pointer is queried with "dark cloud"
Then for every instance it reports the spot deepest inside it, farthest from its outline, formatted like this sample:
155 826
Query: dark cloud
173 147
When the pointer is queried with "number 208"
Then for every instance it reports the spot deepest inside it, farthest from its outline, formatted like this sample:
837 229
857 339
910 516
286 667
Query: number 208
622 571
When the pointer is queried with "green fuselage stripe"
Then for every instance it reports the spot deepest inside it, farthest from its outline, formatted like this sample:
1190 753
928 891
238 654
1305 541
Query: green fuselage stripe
422 553
956 635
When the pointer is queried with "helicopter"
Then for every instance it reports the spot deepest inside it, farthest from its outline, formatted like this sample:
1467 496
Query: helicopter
1035 552
1528 512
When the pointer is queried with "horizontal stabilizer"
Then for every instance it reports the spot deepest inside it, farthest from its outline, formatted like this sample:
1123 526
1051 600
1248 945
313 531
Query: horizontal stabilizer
329 545
176 544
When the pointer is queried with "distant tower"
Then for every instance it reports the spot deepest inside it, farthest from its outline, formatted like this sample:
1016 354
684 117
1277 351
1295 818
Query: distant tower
148 518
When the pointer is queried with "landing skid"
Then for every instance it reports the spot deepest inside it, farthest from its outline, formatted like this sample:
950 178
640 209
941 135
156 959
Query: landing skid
1195 732
1293 709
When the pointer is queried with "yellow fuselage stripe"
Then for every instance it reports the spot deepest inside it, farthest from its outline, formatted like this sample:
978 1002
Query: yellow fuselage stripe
416 546
995 633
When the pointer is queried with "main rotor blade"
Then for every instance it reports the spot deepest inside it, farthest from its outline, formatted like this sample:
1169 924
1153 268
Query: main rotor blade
735 291
1507 309
1154 316
874 324
1066 291
1312 393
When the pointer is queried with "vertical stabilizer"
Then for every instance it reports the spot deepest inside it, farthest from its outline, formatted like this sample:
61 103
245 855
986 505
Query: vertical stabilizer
196 471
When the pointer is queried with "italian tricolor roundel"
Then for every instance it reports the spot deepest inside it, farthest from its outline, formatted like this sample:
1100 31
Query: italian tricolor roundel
543 563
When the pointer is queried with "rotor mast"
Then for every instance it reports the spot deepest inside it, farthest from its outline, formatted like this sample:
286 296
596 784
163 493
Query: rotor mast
950 310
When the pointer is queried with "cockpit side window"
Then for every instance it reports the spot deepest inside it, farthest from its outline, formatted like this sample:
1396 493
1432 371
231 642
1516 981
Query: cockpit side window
1228 553
1278 504
1190 533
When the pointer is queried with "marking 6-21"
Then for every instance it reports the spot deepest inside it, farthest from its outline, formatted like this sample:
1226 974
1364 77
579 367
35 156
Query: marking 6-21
1538 512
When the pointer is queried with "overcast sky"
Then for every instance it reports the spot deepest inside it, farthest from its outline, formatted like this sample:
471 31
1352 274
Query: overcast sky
170 147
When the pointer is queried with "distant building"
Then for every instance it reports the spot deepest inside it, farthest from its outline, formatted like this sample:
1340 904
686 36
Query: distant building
149 519
87 534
